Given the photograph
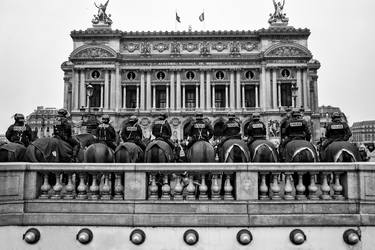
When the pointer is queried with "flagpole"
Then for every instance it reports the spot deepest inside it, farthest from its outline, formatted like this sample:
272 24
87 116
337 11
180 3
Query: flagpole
204 21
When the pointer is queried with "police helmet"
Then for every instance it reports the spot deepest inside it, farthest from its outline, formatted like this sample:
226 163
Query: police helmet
199 116
336 115
133 118
19 117
296 113
288 109
231 116
62 112
105 117
256 116
163 116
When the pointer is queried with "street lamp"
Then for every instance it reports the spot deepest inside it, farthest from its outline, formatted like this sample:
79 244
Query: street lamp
90 92
294 94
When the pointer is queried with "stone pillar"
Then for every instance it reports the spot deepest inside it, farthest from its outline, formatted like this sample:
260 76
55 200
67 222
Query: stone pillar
137 98
213 97
231 91
148 90
142 86
82 91
118 87
274 88
279 93
113 94
172 91
226 97
268 89
300 90
243 97
75 90
256 96
197 97
124 97
101 96
178 91
208 90
238 89
66 95
106 90
263 87
153 89
306 88
183 97
315 94
202 91
167 97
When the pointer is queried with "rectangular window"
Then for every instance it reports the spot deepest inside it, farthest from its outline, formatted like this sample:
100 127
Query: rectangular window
131 97
161 97
286 94
220 96
95 101
190 97
250 96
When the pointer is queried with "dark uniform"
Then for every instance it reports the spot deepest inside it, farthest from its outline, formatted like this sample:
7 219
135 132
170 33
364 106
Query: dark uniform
231 130
336 131
256 130
105 133
132 132
19 132
284 122
200 130
162 130
63 130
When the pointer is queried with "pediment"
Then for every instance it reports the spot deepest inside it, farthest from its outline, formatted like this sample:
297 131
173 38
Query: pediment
93 52
282 50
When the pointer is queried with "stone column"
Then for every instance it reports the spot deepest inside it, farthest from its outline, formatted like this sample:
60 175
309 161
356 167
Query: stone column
208 90
124 97
263 87
197 97
183 97
101 96
148 90
118 87
167 97
279 93
213 97
306 88
231 91
238 89
137 98
256 96
226 97
202 91
82 91
142 86
75 89
315 94
153 89
300 90
274 88
106 90
243 97
113 86
66 95
172 91
268 89
178 91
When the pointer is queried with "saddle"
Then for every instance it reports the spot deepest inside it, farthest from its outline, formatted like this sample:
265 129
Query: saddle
168 151
55 148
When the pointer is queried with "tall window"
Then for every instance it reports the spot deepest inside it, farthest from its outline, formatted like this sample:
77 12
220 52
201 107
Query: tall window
220 96
131 97
161 97
249 96
286 94
95 100
190 97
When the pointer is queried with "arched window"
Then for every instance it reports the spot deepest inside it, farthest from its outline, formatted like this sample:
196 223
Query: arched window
249 75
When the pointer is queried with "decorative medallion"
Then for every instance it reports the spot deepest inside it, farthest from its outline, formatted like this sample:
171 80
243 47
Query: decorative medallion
175 48
219 46
234 48
175 122
190 46
145 122
204 48
249 46
131 47
94 53
146 48
161 47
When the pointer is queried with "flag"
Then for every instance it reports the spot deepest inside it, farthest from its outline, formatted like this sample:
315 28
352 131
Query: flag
178 19
201 17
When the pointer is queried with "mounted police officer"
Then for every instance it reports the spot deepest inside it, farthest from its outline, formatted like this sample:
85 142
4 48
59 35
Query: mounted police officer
162 130
284 122
63 130
256 129
337 130
199 130
19 132
132 132
296 128
105 133
231 129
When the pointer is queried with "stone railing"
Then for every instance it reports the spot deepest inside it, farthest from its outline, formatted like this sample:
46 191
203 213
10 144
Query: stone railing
171 194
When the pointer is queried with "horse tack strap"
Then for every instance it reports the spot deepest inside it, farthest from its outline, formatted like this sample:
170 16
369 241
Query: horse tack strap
19 128
337 126
296 124
258 125
199 125
131 129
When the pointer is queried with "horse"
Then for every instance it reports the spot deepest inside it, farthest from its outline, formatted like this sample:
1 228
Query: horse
201 151
340 151
98 153
263 151
158 151
300 151
85 140
129 152
234 150
12 152
49 149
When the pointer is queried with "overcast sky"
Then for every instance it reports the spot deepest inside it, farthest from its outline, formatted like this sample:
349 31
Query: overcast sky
35 40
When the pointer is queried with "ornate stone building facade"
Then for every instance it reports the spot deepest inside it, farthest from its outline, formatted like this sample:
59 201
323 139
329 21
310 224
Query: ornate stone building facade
41 121
215 72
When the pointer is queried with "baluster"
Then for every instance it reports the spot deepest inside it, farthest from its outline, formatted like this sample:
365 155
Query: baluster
190 189
313 188
215 188
203 189
275 187
153 188
57 188
228 189
119 188
82 188
337 187
178 189
300 188
69 188
288 188
94 188
165 189
263 189
45 188
326 189
105 189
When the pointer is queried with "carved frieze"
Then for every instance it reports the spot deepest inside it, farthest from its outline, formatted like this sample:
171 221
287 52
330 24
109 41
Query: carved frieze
94 53
287 51
190 47
175 48
161 47
249 46
146 48
234 48
204 48
219 46
131 47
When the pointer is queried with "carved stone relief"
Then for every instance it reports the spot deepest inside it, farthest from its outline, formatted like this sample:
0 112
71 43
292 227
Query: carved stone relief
234 48
249 46
219 46
287 51
204 48
131 47
161 47
190 46
145 48
94 53
175 48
